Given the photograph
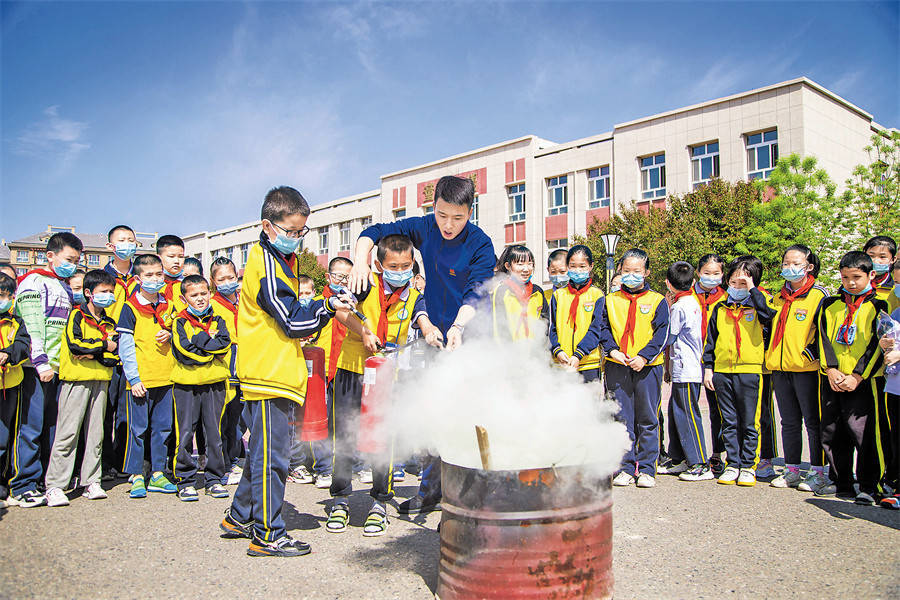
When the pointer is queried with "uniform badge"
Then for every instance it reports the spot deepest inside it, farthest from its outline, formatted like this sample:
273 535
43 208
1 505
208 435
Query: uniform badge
645 309
402 314
801 314
749 317
588 306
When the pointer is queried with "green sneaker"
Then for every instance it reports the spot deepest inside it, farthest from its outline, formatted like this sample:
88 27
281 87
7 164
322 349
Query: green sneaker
159 483
137 487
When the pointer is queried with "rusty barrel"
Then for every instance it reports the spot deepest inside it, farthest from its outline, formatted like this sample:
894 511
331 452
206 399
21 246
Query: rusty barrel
535 533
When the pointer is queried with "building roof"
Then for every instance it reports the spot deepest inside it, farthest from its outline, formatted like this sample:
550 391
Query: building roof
580 143
92 241
4 252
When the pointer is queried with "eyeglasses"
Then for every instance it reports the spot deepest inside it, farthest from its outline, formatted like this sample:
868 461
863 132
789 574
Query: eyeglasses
337 278
293 233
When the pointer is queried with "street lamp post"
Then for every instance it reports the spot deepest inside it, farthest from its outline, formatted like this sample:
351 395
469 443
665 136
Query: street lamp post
610 241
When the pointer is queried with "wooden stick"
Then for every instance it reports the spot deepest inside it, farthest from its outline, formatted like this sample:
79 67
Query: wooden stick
484 447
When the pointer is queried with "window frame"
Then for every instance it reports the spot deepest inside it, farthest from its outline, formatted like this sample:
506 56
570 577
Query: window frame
752 149
323 237
657 163
706 153
599 175
512 193
343 228
556 207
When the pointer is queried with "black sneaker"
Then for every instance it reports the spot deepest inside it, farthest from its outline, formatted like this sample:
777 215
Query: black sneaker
234 529
716 465
284 546
864 499
418 504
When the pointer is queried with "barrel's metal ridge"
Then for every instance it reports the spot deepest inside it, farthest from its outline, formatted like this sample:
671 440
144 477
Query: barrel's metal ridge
535 533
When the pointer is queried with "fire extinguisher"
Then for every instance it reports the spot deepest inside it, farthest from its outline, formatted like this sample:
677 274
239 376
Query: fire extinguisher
378 379
315 412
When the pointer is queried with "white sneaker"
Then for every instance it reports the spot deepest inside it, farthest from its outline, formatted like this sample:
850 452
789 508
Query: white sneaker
323 482
56 497
646 481
700 472
234 478
747 478
365 476
729 476
787 479
300 475
94 492
623 479
672 469
764 469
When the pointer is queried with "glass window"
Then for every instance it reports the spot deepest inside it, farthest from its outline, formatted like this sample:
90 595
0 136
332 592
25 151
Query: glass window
22 256
516 195
344 230
21 271
245 250
653 177
556 244
704 163
558 194
93 259
598 187
762 154
474 217
323 240
365 222
40 258
399 213
428 209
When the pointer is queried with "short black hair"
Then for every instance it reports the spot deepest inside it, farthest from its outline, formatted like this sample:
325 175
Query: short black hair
142 260
96 277
556 255
455 190
190 260
882 240
580 249
416 268
681 275
857 260
193 280
637 253
306 279
337 260
168 240
64 239
516 253
710 258
117 228
78 272
394 243
811 257
7 284
283 201
747 263
220 263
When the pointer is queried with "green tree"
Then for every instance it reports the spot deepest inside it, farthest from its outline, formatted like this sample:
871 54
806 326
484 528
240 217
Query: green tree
309 265
873 191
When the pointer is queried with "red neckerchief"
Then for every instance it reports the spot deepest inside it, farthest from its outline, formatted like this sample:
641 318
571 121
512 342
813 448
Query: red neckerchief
338 333
45 272
87 316
573 309
522 292
789 296
853 303
157 313
168 291
706 300
193 320
736 317
880 280
631 321
679 295
218 297
386 303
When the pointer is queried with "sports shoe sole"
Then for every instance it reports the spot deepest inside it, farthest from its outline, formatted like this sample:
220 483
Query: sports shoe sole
159 490
425 508
746 483
255 550
721 482
233 532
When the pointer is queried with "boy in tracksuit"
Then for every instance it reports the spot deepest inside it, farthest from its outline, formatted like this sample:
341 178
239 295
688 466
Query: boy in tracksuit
851 362
144 328
733 360
633 330
391 306
200 344
15 346
43 300
170 249
272 371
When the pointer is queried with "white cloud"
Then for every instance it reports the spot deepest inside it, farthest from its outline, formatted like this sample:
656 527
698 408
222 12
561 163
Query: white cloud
846 83
53 137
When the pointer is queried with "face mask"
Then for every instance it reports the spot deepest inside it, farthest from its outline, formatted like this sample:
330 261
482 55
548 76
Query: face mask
103 299
880 268
579 277
227 289
859 293
125 250
710 282
397 278
897 290
305 302
5 305
65 270
151 287
519 278
559 281
793 273
737 294
175 275
632 280
78 297
336 288
614 288
198 313
286 245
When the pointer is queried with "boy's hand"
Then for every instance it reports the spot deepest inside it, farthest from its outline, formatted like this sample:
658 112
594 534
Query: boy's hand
163 336
892 357
851 382
3 358
359 277
434 337
138 390
370 341
562 358
708 381
637 363
81 356
454 338
835 378
573 362
46 376
619 356
111 346
886 343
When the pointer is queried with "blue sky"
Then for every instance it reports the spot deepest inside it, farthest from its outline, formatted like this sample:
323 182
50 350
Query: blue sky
177 117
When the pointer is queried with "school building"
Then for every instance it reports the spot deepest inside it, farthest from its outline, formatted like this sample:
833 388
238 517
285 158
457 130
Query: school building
541 193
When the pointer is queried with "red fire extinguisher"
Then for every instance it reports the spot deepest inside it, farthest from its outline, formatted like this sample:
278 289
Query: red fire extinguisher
378 379
315 412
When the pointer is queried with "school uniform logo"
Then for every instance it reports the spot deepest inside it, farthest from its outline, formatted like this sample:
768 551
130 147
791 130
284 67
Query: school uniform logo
645 308
402 314
801 314
452 272
749 317
588 306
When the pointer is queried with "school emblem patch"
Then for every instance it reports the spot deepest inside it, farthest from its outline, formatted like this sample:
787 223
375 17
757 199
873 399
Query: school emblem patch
749 317
402 314
588 306
645 308
801 314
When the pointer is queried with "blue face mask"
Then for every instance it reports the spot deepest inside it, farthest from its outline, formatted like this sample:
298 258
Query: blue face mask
880 268
286 245
78 297
305 302
125 250
199 313
710 282
793 273
175 275
559 281
103 299
336 288
737 294
227 289
65 270
151 287
614 288
5 305
397 278
859 293
579 277
632 280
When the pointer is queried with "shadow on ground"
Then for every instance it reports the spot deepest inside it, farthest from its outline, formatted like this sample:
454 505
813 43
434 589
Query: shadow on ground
841 509
416 551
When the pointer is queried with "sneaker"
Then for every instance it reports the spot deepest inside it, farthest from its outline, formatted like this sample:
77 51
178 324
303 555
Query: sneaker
365 476
789 479
338 518
716 465
56 497
159 483
137 487
699 472
764 469
813 481
376 523
94 492
729 476
188 494
747 478
645 480
284 546
890 502
864 499
300 475
233 529
29 499
323 482
398 475
671 468
217 490
109 474
623 479
234 478
417 504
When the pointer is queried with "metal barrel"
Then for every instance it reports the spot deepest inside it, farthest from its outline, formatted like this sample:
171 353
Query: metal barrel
535 533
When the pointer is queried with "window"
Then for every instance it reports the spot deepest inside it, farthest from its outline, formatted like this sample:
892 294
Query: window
762 154
558 190
428 209
704 163
556 244
516 195
40 258
344 233
323 240
474 217
598 187
365 222
653 177
226 252
400 213
21 271
245 250
22 256
93 260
